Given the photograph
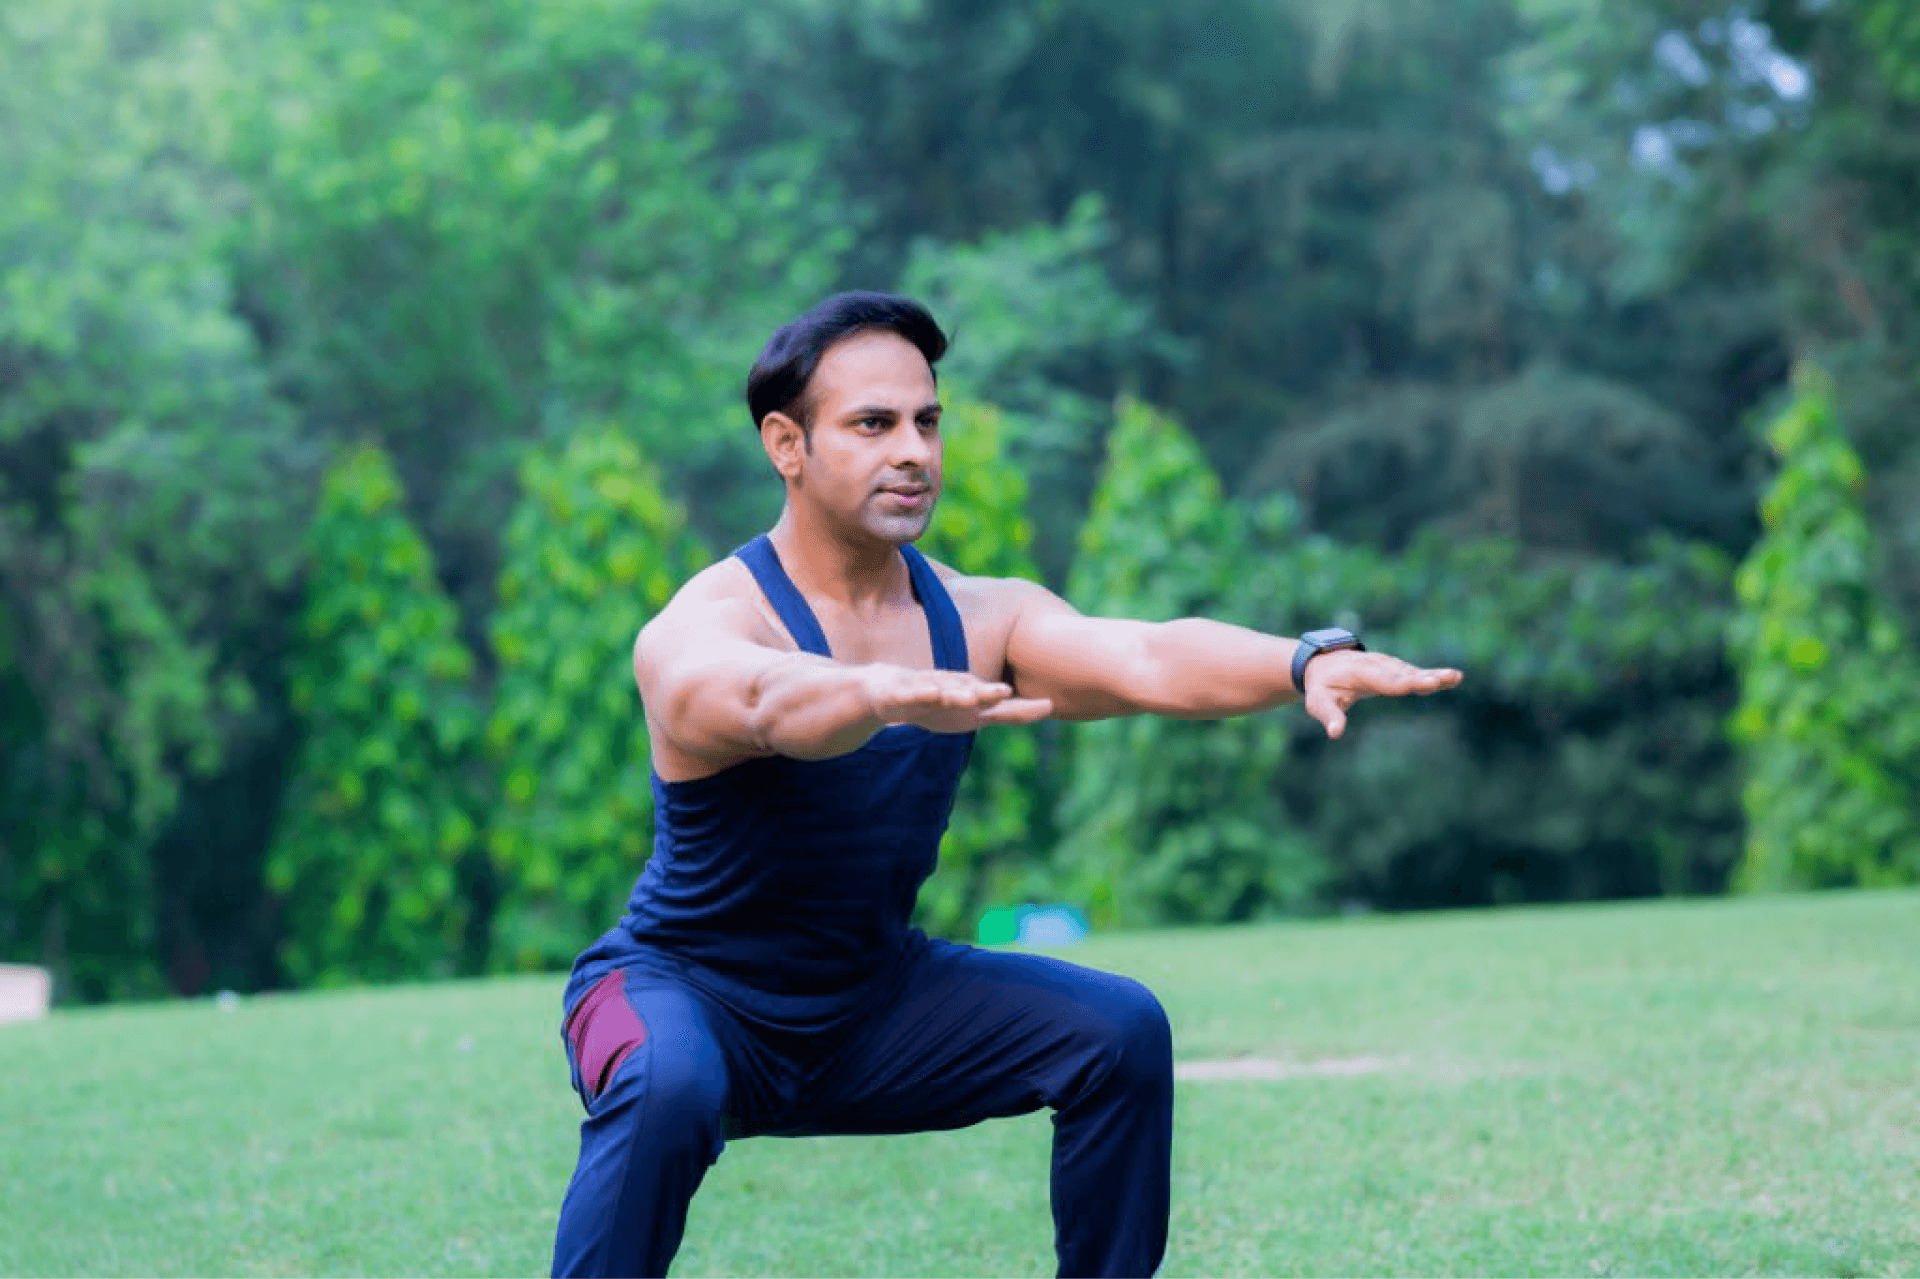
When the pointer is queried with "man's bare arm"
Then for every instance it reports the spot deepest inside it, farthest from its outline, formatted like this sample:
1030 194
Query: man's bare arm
1193 668
718 692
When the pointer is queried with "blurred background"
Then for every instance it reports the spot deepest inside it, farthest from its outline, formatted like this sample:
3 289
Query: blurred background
369 373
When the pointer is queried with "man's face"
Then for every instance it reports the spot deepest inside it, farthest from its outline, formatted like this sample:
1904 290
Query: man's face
872 459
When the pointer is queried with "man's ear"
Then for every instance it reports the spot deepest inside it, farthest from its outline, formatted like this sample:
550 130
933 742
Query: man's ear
786 443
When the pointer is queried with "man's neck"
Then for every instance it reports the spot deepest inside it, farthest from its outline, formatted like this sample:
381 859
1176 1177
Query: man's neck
859 574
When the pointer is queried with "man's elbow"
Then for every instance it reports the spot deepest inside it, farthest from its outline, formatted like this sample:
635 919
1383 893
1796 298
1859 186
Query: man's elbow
763 715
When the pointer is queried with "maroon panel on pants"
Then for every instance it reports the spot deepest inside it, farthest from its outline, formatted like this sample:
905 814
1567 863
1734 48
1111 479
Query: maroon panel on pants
603 1031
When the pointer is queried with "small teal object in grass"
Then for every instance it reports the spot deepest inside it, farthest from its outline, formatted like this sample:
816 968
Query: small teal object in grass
1032 925
999 926
1052 926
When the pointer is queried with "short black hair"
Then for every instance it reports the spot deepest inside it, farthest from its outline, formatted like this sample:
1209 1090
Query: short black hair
782 374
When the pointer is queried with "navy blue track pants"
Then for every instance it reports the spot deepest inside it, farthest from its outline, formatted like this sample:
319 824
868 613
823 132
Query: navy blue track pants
963 1035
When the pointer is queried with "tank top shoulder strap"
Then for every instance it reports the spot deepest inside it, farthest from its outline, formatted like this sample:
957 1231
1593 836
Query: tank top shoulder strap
764 563
943 619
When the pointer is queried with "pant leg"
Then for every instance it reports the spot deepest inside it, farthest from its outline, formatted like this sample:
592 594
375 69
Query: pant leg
974 1034
654 1080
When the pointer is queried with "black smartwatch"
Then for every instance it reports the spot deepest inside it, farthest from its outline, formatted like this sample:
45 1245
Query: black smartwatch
1314 643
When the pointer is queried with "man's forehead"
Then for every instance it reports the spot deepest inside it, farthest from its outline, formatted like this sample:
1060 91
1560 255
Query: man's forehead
876 362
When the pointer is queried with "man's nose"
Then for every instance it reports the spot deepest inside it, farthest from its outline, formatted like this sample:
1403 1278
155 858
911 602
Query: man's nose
911 446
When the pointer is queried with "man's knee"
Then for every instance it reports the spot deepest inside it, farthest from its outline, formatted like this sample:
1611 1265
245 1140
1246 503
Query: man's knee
674 1096
1134 1034
649 1061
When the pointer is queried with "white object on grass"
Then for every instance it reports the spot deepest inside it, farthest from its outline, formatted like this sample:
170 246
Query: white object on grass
25 992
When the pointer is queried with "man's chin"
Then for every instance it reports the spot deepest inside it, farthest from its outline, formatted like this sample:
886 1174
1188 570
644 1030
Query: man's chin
899 529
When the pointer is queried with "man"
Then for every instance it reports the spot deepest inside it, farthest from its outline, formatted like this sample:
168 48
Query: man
810 703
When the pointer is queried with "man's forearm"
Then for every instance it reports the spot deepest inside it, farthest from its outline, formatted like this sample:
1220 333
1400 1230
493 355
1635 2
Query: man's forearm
1201 669
809 707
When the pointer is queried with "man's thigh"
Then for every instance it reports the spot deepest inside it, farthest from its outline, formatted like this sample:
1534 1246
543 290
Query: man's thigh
631 1014
973 1034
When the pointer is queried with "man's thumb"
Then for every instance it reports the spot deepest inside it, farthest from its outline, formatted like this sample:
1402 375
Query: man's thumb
1325 707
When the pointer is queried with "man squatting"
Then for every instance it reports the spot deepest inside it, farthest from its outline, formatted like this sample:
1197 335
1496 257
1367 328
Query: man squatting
811 701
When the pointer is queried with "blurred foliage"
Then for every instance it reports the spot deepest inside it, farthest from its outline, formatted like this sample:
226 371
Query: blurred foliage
143 524
1754 168
1829 685
594 548
1465 307
995 839
1168 820
1036 322
366 863
1582 758
475 229
1892 30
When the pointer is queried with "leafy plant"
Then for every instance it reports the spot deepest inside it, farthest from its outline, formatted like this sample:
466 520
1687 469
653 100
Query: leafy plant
594 549
1828 682
1167 820
379 817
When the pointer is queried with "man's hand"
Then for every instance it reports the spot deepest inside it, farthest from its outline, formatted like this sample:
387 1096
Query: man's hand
947 701
1339 678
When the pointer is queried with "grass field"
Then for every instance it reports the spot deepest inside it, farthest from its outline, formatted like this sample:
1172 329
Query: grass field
1675 1088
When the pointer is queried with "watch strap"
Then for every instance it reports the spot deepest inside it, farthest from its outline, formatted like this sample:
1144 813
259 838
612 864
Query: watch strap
1313 643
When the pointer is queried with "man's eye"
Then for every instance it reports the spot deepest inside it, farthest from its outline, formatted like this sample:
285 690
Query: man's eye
873 424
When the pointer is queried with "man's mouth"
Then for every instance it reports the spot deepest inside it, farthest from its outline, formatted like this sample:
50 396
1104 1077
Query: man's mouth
909 494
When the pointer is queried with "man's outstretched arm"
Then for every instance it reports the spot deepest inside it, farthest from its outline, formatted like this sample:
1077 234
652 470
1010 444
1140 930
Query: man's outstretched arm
1097 667
716 693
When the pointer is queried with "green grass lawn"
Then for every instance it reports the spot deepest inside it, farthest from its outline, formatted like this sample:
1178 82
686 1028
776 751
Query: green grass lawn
1726 1087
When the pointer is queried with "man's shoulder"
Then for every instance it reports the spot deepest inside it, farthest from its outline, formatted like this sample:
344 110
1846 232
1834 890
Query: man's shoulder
979 597
720 596
723 580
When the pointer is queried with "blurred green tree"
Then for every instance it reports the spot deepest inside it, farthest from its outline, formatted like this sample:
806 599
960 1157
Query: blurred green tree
1584 755
146 476
1037 327
1750 168
1829 685
377 831
1163 820
594 549
479 228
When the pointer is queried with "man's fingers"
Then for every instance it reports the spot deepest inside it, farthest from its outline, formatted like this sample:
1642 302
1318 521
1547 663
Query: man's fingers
957 692
970 692
1414 680
1400 679
1017 710
936 692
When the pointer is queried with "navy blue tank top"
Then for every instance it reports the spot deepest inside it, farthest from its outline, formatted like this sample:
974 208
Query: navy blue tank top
786 887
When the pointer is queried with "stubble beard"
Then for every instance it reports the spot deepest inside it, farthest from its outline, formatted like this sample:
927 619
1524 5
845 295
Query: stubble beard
900 529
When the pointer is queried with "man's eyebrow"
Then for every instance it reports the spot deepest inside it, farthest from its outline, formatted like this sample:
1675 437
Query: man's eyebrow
928 409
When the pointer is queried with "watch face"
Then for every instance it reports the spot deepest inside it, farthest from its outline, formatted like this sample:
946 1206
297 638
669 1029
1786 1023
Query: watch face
1328 637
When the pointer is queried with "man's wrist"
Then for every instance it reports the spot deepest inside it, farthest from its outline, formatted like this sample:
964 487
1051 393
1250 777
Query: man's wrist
1312 644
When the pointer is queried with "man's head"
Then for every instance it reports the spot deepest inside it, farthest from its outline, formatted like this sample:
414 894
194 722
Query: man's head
846 403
